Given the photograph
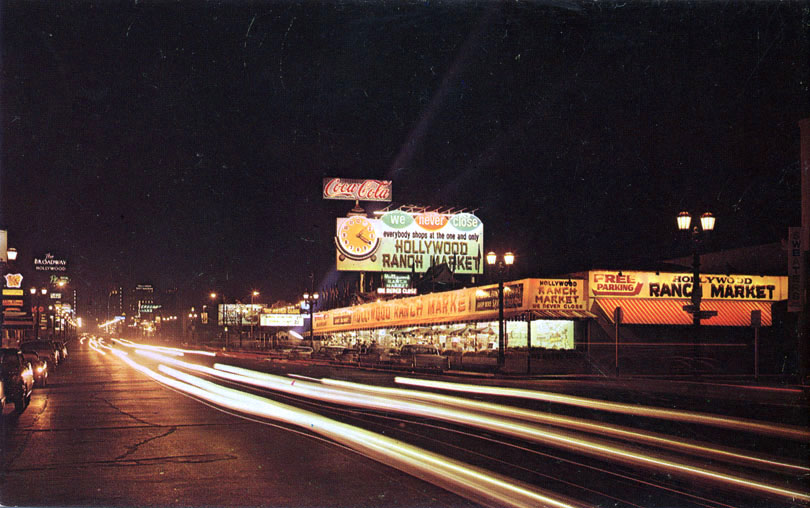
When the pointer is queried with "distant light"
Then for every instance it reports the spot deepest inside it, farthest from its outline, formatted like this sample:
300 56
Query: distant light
44 291
213 295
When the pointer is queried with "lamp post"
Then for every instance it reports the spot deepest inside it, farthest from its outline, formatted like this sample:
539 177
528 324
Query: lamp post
34 297
697 238
224 314
311 298
253 314
501 265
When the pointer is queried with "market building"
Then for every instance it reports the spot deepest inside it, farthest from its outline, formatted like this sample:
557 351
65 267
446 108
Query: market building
576 316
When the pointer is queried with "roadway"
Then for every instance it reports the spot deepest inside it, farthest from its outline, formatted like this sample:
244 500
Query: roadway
112 428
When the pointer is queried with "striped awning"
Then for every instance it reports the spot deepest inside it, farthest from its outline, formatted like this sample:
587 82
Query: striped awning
649 311
562 314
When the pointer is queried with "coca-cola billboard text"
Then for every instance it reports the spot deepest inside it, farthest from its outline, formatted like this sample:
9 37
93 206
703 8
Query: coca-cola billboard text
357 190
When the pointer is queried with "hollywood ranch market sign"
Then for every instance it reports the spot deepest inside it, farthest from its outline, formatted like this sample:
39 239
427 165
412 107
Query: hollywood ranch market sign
405 242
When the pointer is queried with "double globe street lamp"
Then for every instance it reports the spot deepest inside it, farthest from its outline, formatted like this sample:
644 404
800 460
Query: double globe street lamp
501 265
697 238
311 299
36 304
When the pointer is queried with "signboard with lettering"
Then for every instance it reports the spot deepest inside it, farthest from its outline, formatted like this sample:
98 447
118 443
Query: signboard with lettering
356 190
290 320
410 242
468 304
620 284
49 263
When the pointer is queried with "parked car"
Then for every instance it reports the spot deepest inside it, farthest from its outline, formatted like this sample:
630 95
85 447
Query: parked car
348 355
45 349
299 352
39 365
327 353
18 377
378 355
421 356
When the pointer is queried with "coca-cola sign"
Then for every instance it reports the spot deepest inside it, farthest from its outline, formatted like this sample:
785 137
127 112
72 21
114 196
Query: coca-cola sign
357 190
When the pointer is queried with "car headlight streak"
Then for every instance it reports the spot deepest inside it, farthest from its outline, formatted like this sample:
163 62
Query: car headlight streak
782 431
390 400
571 423
475 484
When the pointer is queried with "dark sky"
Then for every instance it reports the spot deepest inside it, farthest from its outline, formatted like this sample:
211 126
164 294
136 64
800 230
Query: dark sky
173 142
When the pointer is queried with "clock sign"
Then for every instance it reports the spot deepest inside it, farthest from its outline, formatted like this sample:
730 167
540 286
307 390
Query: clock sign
357 239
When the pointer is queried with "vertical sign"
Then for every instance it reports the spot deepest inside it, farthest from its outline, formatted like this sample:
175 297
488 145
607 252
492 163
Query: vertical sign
795 275
3 245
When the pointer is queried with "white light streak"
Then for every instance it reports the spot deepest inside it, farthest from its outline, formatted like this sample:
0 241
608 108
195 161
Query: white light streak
783 431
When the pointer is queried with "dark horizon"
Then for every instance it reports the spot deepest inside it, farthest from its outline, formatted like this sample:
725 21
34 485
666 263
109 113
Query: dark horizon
185 145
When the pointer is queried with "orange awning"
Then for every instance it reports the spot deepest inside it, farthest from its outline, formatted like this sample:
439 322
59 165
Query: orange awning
652 311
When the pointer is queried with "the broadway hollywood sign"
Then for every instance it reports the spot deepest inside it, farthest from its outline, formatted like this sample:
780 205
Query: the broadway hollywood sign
357 190
50 264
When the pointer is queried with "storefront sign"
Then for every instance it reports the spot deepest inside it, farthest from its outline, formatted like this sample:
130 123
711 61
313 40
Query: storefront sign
49 263
612 284
289 309
557 294
289 320
356 190
397 291
405 242
468 304
13 280
395 280
12 292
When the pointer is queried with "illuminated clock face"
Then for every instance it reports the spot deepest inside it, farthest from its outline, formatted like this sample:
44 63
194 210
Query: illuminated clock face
357 238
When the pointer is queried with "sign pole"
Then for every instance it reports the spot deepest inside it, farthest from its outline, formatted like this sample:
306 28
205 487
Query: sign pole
617 320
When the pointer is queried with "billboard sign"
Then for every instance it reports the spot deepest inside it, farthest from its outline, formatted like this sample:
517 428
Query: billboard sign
621 284
356 190
289 320
235 314
410 242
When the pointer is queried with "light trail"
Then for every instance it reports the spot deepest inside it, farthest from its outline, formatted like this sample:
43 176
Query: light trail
467 481
782 431
597 448
573 423
163 349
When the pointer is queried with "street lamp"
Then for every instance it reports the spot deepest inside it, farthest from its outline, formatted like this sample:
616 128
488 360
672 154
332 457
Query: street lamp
253 295
224 314
697 238
501 265
35 299
12 254
311 299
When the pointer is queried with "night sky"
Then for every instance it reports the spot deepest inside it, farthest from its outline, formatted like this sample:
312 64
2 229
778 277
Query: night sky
177 143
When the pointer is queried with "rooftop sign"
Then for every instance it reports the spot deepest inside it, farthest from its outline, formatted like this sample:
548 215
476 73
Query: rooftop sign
356 190
410 242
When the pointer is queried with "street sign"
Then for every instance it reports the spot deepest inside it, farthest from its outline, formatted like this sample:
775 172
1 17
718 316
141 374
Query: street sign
706 314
